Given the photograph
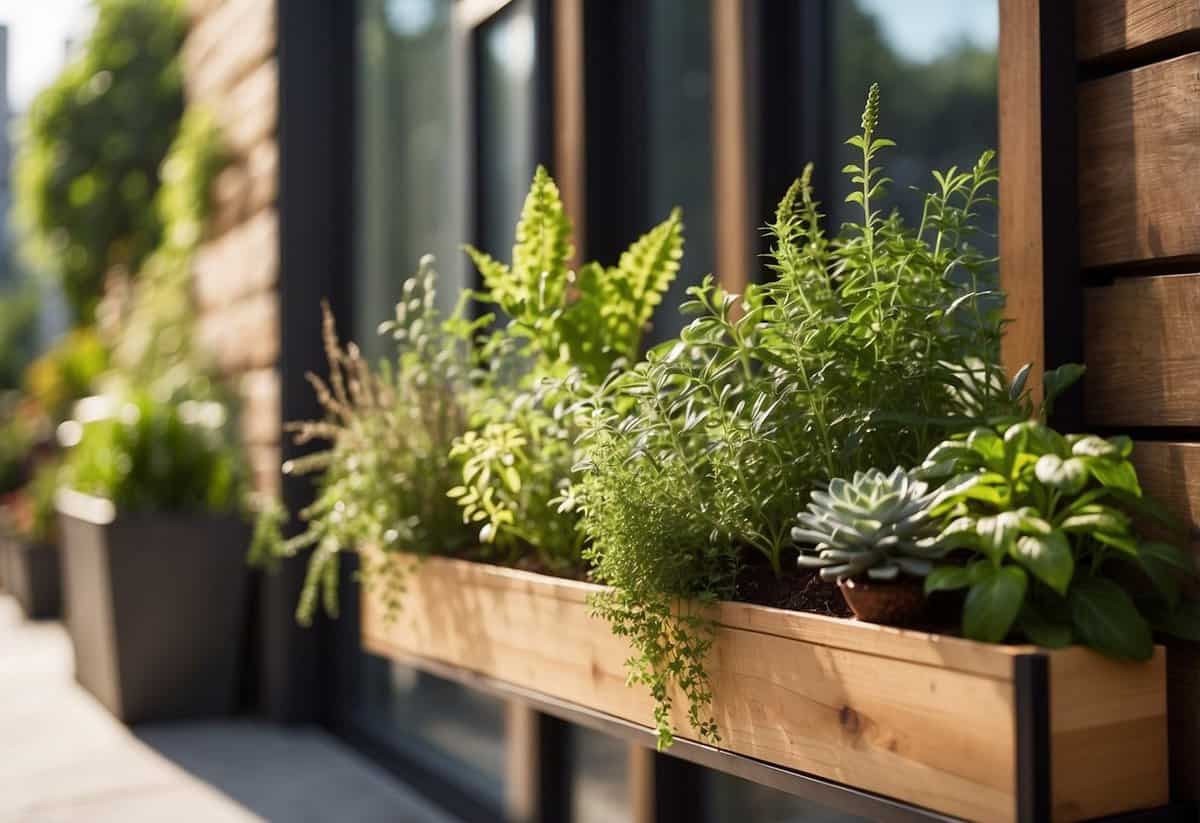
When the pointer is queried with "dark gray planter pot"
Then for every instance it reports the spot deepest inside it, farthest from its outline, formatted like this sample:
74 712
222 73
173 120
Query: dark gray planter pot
155 605
31 576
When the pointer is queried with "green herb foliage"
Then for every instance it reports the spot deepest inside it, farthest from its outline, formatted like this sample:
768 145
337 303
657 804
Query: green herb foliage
386 464
67 372
518 453
152 456
87 172
153 323
1045 522
867 348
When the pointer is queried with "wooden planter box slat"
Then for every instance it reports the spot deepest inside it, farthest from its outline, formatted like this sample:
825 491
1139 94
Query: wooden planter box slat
926 719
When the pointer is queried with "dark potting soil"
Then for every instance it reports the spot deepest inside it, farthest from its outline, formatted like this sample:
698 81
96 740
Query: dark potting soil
800 590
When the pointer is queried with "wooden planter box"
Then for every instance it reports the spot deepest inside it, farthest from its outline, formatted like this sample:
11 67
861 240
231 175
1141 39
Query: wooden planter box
977 731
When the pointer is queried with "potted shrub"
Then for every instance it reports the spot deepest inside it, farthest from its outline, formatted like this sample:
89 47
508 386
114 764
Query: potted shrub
28 545
152 544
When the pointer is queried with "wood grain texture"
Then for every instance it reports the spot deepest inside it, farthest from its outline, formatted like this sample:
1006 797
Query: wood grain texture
935 735
570 132
731 195
1139 135
1104 28
1142 348
1170 472
1020 205
1106 713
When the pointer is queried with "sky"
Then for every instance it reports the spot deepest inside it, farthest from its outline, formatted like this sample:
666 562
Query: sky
37 34
922 29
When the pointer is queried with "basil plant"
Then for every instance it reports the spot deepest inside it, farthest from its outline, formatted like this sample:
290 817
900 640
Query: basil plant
1043 524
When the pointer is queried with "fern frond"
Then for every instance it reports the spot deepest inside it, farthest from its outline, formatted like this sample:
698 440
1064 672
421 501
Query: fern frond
497 277
650 265
543 250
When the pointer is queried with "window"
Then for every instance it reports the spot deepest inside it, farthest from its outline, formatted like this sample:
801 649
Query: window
599 777
408 180
935 62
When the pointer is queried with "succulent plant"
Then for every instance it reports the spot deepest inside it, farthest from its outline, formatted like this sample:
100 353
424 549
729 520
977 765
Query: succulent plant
872 524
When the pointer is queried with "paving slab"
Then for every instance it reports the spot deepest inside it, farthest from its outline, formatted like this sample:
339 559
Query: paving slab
64 758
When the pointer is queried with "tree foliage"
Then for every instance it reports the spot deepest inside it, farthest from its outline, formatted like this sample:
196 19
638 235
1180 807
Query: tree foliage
87 173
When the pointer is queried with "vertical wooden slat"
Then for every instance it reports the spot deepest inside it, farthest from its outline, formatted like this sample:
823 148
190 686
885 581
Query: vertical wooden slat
731 199
1039 226
569 119
641 784
1021 241
522 779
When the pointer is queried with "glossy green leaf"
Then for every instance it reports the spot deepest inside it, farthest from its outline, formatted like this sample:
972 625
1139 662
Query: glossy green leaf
1115 474
1106 619
1047 557
1042 630
993 603
947 578
1067 476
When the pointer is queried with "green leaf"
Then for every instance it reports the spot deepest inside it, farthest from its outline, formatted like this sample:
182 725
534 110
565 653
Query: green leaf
1106 619
1164 578
1043 630
989 446
1018 383
1056 381
997 534
1035 438
1168 555
1093 446
1068 476
947 578
1115 474
861 310
1048 557
1125 543
993 603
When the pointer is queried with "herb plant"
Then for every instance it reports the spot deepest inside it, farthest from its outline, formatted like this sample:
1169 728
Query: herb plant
1045 523
386 465
863 351
153 456
519 450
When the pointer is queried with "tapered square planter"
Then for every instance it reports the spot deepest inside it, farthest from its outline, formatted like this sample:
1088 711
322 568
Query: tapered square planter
977 731
155 605
31 576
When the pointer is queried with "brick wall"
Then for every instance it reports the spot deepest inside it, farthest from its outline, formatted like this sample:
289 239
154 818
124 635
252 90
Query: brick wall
230 68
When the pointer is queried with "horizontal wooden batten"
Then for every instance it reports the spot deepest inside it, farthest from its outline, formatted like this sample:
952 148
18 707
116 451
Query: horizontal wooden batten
924 719
1142 348
1170 472
1122 29
1139 136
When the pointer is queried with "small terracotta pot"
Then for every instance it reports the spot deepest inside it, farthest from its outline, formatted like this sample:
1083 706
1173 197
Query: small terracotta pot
894 602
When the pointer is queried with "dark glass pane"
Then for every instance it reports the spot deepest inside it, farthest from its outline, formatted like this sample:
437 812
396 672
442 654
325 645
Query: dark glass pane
679 140
505 142
407 201
453 729
411 166
599 778
731 798
935 62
